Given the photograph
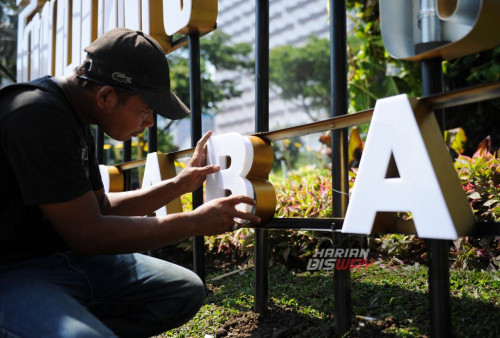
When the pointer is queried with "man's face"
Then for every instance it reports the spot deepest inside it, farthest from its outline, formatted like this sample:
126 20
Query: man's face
128 119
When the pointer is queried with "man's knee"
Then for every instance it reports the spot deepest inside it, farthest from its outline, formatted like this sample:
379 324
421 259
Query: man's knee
191 297
176 293
194 295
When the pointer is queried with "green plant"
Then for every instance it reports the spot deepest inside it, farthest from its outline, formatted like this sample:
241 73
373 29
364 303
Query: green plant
480 178
481 118
471 253
405 247
237 243
307 192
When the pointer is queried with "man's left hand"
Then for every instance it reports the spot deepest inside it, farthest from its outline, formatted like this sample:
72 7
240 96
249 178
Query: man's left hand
196 170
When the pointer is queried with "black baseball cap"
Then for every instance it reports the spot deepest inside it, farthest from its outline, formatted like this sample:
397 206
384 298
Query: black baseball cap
134 62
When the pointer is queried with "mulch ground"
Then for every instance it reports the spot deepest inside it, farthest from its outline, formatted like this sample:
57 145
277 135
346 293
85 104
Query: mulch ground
276 322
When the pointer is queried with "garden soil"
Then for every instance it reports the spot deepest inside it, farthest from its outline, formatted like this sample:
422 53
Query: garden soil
276 322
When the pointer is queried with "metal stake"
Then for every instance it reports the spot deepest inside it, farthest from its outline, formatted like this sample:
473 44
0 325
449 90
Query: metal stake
127 157
261 124
338 74
439 275
195 106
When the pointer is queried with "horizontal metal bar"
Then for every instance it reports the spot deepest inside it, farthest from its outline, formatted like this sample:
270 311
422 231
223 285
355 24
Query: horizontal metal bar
139 163
486 229
463 96
182 153
325 224
181 42
439 101
312 224
339 122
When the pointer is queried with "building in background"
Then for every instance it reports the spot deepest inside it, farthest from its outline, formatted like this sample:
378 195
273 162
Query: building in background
182 131
290 23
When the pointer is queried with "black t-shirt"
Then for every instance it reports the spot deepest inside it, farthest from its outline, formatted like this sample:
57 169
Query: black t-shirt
47 155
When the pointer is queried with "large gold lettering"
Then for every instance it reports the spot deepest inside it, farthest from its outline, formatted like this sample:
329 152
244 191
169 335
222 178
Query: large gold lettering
52 34
188 16
112 178
447 29
245 163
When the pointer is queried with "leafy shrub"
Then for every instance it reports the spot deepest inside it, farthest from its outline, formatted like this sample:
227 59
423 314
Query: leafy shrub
480 178
307 193
476 253
236 243
405 248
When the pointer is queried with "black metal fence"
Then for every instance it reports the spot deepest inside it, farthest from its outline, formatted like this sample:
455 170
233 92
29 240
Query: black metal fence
338 123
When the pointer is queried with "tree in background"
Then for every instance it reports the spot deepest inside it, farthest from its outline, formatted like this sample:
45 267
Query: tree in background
372 73
302 75
217 54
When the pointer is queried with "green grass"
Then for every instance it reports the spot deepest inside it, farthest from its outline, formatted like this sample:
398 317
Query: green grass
394 300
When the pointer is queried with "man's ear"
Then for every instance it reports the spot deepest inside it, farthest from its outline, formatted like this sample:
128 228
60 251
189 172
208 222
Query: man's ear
106 98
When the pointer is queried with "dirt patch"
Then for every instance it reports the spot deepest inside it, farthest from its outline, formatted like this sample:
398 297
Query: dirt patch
279 323
374 328
276 323
240 325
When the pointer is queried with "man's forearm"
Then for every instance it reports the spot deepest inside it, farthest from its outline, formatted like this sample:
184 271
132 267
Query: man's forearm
141 202
81 224
118 234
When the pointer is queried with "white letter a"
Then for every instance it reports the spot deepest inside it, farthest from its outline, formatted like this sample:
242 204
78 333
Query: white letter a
404 132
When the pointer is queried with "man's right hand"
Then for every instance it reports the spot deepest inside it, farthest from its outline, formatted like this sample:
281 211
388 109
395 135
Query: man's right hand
218 216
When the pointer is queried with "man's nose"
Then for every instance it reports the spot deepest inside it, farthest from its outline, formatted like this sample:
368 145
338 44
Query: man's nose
148 119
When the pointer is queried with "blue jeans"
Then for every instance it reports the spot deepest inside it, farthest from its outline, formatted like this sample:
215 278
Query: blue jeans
64 295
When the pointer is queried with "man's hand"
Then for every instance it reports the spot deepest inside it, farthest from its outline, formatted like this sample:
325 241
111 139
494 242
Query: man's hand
196 170
217 216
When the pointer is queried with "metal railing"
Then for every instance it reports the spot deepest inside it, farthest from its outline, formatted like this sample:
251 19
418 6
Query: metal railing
338 124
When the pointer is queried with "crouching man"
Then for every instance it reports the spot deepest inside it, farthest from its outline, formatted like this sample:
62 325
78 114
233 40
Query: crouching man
69 265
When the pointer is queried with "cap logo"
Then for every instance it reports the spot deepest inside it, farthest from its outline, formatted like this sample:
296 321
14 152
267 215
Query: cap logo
88 65
120 77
